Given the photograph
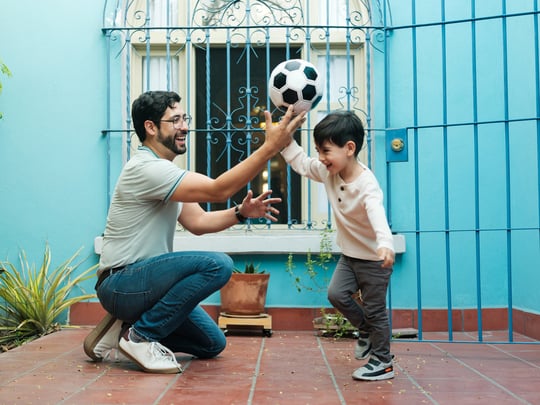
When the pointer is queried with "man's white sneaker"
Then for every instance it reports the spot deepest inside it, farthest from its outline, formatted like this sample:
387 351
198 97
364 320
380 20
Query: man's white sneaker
99 344
375 370
152 357
362 348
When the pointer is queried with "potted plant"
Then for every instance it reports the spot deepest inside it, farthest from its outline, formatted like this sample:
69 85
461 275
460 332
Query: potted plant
245 293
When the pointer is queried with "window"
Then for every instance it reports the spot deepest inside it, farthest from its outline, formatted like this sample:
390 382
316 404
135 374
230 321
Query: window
219 63
230 115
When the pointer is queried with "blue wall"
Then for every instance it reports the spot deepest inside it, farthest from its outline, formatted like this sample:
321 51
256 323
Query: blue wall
52 153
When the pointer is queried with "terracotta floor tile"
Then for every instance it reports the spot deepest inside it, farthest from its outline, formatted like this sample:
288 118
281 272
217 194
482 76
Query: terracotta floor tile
289 368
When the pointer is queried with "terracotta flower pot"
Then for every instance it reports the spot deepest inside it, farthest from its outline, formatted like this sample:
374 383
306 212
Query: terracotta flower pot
245 294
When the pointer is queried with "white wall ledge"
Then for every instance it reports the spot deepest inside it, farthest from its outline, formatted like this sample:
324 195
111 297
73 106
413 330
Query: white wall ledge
255 241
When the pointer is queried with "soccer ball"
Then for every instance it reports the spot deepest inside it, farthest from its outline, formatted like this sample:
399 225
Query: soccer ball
296 82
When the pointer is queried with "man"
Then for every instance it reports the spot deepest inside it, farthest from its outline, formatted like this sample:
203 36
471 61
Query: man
151 293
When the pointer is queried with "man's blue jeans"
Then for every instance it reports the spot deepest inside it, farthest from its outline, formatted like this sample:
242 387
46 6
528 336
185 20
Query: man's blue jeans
160 298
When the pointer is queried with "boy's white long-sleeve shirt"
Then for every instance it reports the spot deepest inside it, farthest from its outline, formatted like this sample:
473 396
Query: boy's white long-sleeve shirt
358 208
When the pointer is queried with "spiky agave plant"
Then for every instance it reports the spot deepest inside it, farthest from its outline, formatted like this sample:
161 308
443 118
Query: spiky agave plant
32 299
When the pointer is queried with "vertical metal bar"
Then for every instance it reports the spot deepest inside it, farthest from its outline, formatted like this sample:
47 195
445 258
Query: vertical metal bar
267 105
168 46
386 125
416 182
386 91
507 173
308 140
247 49
208 103
188 78
348 56
445 169
289 203
367 48
108 45
537 86
476 175
327 60
128 95
147 42
228 117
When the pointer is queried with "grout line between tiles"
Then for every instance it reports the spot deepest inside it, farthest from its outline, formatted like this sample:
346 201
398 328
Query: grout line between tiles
331 373
256 372
416 383
485 377
514 356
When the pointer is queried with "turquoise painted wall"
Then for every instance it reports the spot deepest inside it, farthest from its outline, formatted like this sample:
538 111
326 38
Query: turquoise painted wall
52 154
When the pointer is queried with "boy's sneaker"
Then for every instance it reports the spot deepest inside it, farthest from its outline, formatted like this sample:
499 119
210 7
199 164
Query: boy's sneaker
375 370
152 357
103 339
363 346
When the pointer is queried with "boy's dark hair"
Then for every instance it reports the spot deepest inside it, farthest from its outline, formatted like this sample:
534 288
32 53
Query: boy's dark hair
151 106
340 127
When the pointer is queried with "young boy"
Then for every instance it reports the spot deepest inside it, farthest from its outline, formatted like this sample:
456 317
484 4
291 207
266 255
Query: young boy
363 235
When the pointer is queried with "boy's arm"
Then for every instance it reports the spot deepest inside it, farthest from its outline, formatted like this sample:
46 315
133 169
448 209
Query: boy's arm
302 164
377 218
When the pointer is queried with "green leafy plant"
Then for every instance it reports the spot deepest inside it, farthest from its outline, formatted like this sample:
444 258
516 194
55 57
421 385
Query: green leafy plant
249 268
4 70
317 272
32 299
315 264
334 324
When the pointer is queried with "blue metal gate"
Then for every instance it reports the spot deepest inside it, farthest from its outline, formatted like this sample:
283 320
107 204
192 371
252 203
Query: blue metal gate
462 145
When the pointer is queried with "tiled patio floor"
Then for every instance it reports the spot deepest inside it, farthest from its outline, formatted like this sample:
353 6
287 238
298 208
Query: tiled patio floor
287 368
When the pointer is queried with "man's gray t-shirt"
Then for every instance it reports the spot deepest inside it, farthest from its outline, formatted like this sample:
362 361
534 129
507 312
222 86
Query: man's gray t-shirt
142 219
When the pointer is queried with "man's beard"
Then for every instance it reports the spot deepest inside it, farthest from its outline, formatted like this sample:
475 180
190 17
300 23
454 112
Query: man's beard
169 143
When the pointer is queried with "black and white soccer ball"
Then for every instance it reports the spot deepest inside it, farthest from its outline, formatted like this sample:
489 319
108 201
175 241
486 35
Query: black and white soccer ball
296 82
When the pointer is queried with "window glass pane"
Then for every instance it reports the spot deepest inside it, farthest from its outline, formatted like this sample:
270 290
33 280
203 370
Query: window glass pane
338 78
332 12
230 123
161 75
158 12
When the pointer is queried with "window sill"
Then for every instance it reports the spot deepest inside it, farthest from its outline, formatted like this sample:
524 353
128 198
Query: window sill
260 241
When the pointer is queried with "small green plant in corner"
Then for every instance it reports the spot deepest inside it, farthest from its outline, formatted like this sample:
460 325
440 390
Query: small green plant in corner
32 299
4 70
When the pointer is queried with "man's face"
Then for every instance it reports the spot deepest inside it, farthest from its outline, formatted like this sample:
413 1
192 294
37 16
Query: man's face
173 130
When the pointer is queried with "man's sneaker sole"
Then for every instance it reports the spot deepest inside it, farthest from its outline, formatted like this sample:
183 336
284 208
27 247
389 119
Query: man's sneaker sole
172 370
96 335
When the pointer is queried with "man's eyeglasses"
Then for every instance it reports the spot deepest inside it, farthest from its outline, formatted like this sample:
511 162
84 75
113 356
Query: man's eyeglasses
178 120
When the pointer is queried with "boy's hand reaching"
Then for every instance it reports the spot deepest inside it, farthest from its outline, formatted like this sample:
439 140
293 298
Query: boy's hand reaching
387 256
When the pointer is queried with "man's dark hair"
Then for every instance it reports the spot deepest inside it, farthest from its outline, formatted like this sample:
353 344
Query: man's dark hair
151 106
340 127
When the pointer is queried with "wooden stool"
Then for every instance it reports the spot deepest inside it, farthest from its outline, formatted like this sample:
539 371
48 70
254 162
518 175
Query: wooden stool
262 320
